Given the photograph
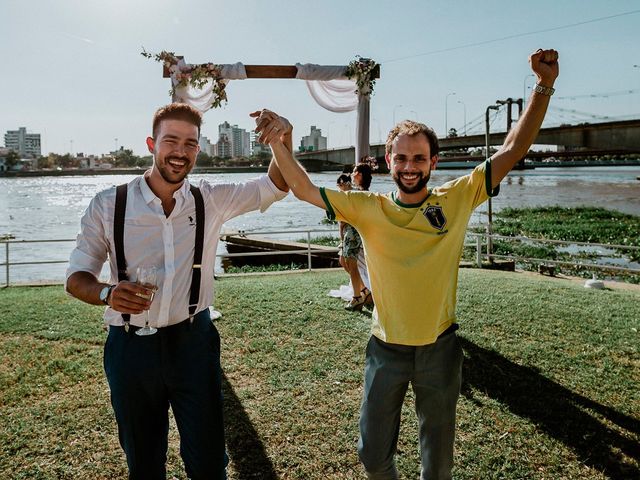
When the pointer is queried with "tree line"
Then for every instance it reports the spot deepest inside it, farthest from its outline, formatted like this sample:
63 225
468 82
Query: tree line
125 158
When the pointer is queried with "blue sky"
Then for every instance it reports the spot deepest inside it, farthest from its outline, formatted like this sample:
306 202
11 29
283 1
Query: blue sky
73 70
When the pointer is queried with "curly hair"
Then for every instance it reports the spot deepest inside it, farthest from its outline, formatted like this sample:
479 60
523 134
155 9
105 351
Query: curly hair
176 111
409 127
343 178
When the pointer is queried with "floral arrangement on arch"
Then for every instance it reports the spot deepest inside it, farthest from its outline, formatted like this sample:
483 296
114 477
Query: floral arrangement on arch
197 76
362 69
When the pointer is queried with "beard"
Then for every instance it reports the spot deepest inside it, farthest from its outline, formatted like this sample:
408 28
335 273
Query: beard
419 186
167 175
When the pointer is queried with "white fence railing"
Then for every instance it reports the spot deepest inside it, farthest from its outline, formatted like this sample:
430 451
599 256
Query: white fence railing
479 241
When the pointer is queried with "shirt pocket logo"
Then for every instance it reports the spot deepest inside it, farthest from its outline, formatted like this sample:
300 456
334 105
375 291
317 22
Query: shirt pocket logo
435 216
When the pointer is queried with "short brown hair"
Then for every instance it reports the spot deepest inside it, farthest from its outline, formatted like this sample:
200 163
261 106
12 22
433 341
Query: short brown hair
409 127
177 111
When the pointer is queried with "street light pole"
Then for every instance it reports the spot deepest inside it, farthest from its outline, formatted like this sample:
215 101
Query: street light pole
328 131
489 206
524 88
446 125
465 116
394 115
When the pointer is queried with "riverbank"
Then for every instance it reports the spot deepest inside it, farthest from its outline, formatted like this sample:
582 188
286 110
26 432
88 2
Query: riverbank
446 163
549 388
121 171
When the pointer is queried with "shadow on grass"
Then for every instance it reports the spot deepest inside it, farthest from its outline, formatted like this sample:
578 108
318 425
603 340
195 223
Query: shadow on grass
244 446
561 413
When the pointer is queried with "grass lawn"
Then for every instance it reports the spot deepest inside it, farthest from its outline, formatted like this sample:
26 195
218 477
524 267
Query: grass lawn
550 390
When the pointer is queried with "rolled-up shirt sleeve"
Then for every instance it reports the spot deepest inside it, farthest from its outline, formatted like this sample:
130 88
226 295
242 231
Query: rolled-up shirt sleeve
269 193
233 199
92 247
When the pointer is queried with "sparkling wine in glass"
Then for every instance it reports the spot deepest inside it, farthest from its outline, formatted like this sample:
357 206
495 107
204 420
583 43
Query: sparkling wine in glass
148 278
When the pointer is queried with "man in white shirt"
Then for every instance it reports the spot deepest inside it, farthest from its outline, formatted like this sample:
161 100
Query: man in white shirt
160 224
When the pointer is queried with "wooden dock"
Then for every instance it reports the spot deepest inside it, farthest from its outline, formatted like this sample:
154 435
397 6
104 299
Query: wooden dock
267 251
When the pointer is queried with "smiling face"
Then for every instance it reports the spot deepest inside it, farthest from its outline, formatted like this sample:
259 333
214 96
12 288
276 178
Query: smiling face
410 163
174 148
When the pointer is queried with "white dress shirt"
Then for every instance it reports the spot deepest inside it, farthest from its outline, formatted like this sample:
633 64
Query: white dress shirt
152 239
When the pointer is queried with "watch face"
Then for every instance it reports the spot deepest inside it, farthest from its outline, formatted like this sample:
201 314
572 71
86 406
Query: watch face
104 293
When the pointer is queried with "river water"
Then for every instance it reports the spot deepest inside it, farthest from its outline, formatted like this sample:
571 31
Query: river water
38 208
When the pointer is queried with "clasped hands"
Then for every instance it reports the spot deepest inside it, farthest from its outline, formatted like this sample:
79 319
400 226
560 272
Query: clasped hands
270 126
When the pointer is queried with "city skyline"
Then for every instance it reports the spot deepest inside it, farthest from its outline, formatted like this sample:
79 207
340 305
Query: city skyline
77 76
240 142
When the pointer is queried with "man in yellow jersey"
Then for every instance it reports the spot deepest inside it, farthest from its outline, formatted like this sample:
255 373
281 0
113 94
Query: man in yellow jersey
413 240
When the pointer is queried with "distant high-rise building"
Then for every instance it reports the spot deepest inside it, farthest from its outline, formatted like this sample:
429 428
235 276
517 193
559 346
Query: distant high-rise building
26 144
238 137
314 141
258 148
206 146
223 149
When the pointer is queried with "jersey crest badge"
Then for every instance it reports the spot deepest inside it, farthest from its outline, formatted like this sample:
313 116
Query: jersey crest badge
435 216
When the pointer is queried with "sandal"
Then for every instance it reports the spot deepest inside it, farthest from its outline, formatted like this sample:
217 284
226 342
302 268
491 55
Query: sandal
355 304
366 294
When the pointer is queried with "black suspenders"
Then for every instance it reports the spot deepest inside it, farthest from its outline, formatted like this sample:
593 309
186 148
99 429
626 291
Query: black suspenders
118 240
196 270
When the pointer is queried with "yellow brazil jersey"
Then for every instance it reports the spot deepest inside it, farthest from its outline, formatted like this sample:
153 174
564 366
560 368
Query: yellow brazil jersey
412 253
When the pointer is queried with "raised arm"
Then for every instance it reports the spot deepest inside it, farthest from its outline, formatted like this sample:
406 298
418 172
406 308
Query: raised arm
285 132
271 126
544 64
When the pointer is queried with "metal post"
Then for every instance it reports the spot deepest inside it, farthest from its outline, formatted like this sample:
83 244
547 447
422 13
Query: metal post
309 250
464 105
446 126
6 258
479 250
524 86
489 208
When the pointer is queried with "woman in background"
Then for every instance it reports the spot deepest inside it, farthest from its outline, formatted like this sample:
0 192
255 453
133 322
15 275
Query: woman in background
351 252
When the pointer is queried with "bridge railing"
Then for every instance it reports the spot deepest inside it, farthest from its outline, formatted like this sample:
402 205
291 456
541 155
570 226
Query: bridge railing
477 242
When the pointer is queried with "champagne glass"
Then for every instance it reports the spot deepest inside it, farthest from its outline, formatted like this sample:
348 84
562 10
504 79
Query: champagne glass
147 276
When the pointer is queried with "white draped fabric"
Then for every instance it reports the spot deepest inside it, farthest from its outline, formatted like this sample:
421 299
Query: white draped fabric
334 95
200 98
327 84
329 87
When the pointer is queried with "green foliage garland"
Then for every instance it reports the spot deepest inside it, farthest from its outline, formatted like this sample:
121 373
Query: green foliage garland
362 69
197 76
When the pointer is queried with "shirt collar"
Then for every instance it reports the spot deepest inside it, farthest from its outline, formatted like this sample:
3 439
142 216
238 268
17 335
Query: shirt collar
149 196
397 201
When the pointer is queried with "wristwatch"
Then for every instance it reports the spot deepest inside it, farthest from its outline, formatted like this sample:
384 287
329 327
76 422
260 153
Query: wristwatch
105 293
548 91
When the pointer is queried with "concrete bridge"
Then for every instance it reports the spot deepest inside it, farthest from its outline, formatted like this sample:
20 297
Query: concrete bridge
585 139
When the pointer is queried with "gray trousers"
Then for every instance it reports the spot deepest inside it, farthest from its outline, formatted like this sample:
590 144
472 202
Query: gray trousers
434 372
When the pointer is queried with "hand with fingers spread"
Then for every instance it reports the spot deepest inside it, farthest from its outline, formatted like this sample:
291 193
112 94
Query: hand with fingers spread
130 297
544 64
270 126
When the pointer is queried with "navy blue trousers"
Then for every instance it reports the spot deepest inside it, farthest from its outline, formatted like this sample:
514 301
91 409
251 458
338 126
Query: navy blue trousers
179 367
